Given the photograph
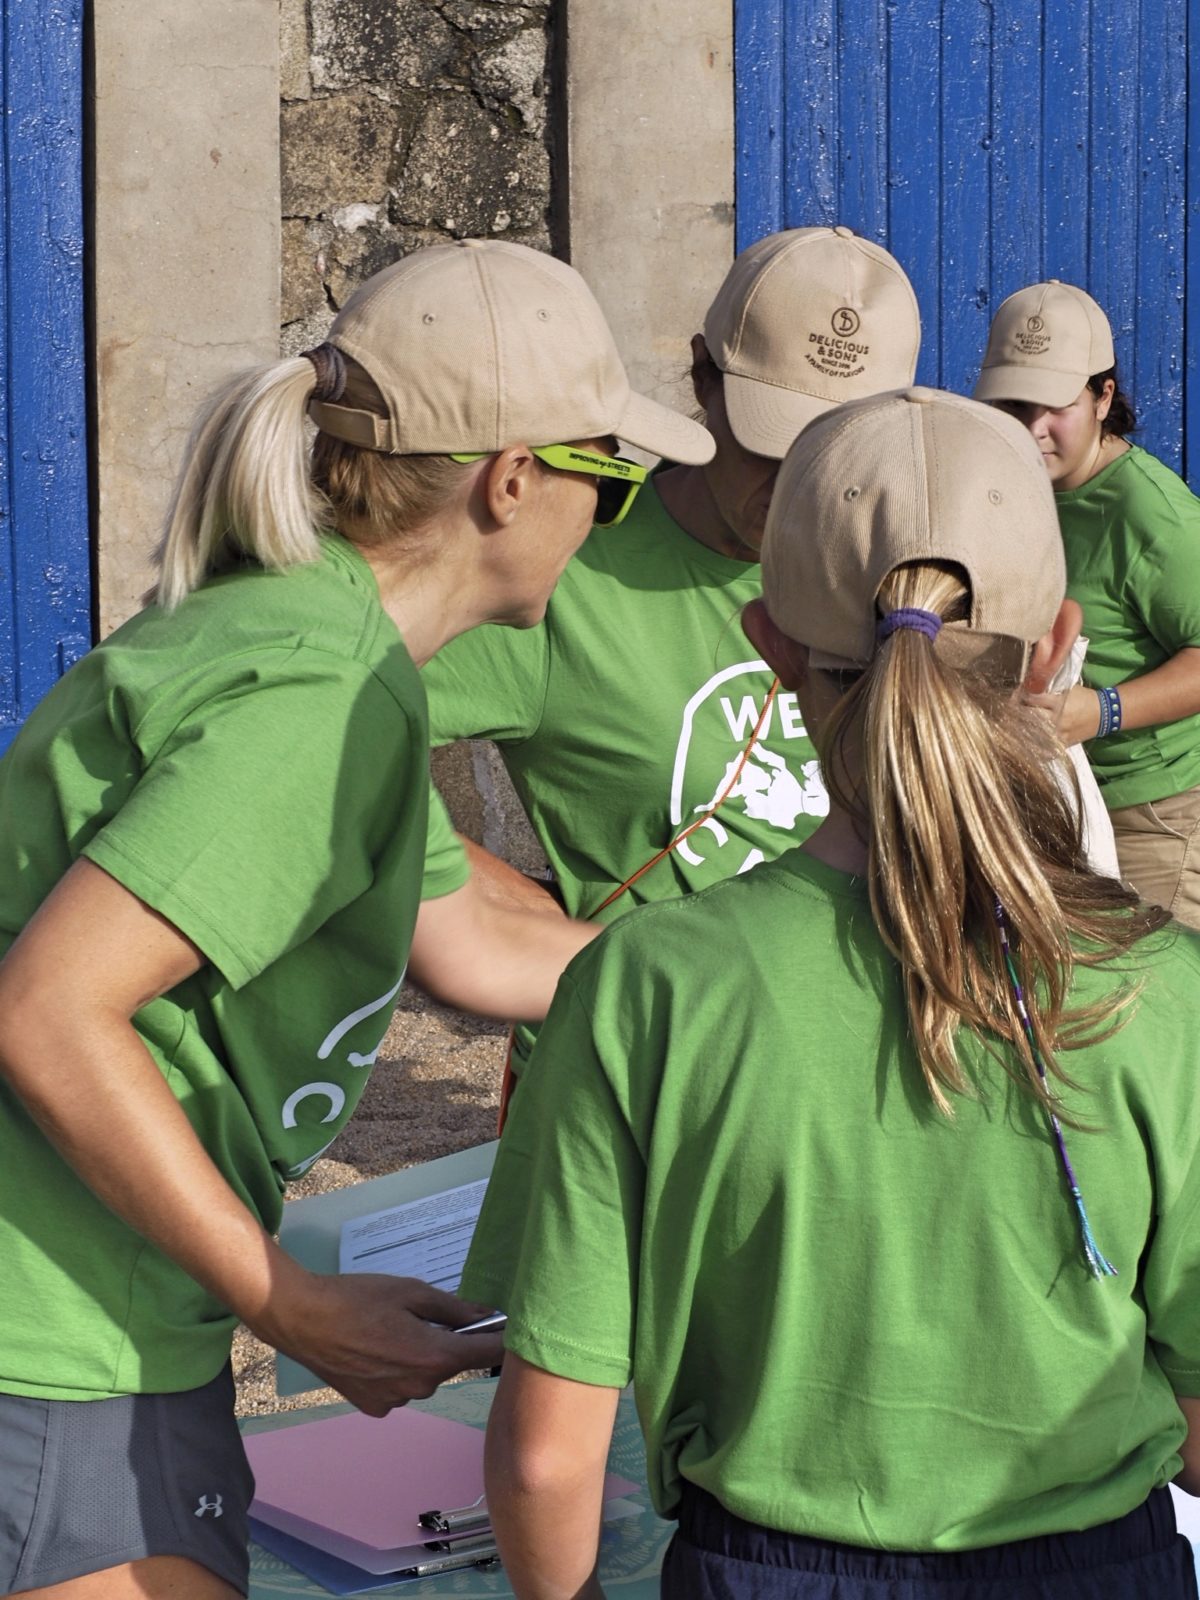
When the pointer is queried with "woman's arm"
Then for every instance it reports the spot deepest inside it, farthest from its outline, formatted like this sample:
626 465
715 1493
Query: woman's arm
493 953
1189 1478
547 1445
92 956
1166 694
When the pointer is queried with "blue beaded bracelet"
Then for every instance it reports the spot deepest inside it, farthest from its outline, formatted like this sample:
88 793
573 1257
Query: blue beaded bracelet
1110 712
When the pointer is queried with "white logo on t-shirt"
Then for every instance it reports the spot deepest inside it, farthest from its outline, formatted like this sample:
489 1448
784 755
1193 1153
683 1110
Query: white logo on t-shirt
207 1503
768 789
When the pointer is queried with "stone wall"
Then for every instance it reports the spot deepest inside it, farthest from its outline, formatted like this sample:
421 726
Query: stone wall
404 122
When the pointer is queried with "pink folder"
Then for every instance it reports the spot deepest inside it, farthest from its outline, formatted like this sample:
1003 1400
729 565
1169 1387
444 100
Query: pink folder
355 1486
367 1478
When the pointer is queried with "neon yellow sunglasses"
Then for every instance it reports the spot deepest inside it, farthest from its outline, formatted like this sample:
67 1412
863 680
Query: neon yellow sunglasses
618 480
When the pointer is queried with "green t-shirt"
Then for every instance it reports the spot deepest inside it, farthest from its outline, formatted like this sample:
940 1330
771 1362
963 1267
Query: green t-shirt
1132 542
621 716
845 1315
254 767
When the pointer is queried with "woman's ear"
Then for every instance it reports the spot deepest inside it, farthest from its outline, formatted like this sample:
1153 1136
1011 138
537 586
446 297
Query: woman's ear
505 483
1104 399
1053 648
786 657
703 373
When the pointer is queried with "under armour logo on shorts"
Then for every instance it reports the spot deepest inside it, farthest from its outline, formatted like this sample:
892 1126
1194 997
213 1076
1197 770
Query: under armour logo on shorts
207 1503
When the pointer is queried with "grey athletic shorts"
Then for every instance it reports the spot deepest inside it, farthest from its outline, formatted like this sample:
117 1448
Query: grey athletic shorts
89 1484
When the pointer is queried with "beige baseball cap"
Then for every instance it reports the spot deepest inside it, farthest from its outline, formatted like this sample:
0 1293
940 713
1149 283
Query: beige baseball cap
481 344
916 475
805 320
1045 343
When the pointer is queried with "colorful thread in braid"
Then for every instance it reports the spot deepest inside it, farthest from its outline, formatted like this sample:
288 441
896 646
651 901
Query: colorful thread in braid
1098 1264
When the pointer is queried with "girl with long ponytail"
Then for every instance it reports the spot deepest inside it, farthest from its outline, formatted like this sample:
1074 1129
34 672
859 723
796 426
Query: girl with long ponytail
876 1169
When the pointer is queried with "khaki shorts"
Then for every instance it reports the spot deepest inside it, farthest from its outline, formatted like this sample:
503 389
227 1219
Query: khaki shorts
1158 847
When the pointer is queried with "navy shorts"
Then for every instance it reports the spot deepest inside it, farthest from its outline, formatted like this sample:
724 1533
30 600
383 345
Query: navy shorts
717 1556
89 1484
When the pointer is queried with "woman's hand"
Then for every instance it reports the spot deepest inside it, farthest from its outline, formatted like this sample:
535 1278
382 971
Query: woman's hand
1080 719
379 1341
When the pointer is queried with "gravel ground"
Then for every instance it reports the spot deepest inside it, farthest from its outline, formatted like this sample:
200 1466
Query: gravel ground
435 1089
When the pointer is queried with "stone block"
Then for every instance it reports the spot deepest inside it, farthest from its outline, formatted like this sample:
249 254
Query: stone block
295 80
302 278
386 42
469 173
339 151
513 73
491 22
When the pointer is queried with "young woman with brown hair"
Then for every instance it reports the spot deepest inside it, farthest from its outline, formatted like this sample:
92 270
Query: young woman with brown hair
1131 531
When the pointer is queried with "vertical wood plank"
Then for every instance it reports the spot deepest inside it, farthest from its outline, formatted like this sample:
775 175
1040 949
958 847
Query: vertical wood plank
811 131
760 57
966 173
914 174
1066 134
1113 244
1018 117
863 125
1157 335
45 437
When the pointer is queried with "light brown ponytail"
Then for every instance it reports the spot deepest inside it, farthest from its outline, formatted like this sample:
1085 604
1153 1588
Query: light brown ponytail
962 804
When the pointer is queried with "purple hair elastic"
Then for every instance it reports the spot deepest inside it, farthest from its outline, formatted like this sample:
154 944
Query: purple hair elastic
926 622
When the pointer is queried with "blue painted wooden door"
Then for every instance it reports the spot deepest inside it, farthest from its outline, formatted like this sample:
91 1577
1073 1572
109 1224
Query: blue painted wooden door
45 583
990 144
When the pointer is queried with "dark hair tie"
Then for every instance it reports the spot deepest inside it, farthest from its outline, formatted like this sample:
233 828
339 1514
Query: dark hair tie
330 366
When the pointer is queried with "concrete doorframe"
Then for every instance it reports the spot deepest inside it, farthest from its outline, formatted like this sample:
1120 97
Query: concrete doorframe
651 162
186 243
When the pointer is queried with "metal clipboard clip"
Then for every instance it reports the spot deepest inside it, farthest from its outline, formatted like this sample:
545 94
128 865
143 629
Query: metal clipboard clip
467 1519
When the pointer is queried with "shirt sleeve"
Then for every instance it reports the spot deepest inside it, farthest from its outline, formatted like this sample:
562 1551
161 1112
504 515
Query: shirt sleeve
1168 575
446 865
489 683
263 812
558 1241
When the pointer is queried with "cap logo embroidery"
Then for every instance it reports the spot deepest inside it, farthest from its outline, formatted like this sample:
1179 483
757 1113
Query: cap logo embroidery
838 357
1032 340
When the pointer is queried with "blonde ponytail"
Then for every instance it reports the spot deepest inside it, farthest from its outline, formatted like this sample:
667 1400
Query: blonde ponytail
244 488
962 804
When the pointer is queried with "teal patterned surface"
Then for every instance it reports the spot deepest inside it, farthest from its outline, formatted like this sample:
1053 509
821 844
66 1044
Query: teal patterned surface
630 1555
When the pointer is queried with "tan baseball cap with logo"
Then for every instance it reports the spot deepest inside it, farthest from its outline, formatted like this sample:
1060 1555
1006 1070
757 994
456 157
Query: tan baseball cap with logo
481 344
1045 343
805 320
916 475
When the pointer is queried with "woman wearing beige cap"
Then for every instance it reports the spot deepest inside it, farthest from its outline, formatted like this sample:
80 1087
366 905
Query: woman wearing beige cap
638 723
875 1169
211 843
1131 531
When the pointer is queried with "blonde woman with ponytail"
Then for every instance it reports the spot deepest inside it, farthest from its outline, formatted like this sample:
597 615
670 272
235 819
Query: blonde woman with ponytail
876 1170
212 837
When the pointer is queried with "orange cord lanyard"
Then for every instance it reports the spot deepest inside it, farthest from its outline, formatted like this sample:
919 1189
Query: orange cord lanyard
509 1080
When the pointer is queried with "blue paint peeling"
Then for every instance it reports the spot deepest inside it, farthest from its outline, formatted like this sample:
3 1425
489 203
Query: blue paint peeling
988 146
45 583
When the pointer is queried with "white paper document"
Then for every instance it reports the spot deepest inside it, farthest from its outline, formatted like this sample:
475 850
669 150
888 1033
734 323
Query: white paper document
426 1238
